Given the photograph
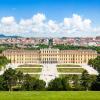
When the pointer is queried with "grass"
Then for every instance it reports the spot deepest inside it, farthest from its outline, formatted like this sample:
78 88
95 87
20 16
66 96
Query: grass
64 75
50 95
35 75
29 70
28 65
71 70
65 65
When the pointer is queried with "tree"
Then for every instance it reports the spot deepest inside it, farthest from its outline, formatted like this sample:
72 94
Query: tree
55 85
31 83
65 83
39 85
95 63
10 77
3 61
86 80
27 83
90 62
96 84
3 84
76 83
13 80
20 77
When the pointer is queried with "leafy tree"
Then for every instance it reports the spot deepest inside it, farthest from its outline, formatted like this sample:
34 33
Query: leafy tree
42 46
39 85
55 85
3 61
10 77
90 62
96 84
86 80
72 47
3 84
95 63
27 83
30 83
76 83
20 76
65 83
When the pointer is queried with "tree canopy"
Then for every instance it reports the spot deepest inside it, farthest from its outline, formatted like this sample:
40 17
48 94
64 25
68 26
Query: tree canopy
3 61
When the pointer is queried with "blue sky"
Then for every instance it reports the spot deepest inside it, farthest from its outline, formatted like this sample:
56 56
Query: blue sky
56 10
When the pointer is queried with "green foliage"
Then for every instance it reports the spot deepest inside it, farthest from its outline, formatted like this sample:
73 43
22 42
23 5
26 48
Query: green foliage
39 85
10 77
3 61
96 84
59 84
5 47
76 83
86 80
65 83
13 80
55 85
28 83
72 47
3 84
31 83
95 63
42 46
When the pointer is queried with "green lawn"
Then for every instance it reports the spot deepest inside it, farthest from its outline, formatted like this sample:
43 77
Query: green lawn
65 70
65 65
29 70
47 95
35 75
28 65
68 75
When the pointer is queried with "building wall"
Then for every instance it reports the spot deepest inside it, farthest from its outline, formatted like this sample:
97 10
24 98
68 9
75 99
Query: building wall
76 56
50 56
22 56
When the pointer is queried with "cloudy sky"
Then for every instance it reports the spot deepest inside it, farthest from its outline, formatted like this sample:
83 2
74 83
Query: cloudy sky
50 18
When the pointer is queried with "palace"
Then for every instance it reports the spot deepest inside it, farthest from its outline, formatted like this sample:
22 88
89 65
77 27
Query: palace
49 55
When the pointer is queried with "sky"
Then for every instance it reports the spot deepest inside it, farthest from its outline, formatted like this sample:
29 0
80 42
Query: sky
50 18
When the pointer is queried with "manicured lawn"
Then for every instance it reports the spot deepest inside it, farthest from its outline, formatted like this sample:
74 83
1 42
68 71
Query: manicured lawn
64 75
65 65
49 95
35 75
75 70
29 70
27 65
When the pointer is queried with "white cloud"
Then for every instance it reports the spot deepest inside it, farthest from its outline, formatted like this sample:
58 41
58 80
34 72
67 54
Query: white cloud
38 25
39 18
77 22
8 20
27 22
53 26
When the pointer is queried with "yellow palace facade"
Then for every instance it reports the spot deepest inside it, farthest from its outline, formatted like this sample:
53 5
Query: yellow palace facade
49 56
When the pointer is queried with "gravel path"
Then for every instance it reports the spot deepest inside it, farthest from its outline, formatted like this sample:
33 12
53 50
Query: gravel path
49 72
90 70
